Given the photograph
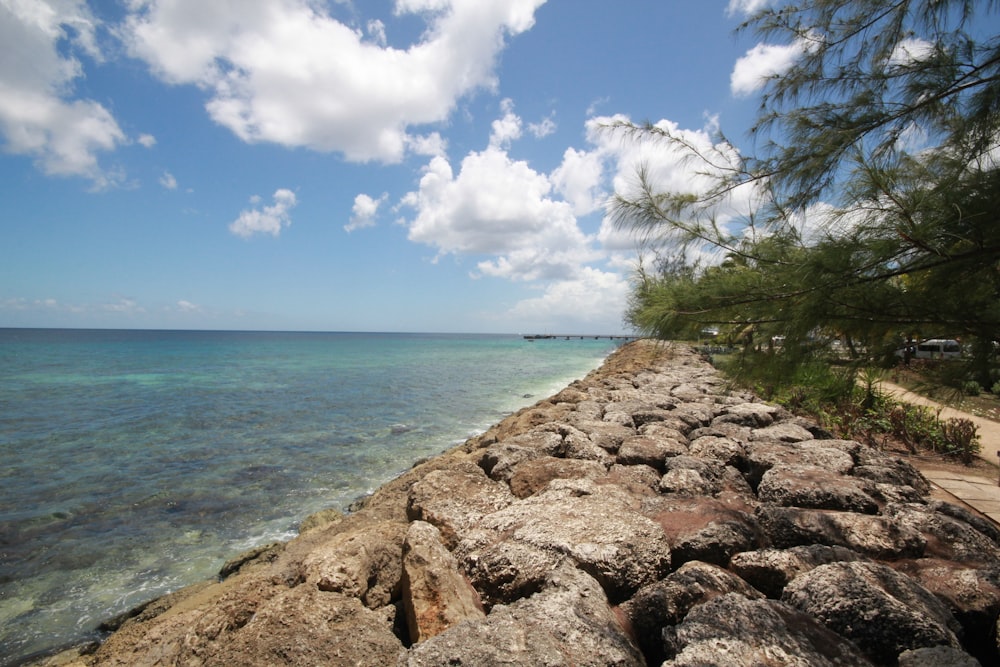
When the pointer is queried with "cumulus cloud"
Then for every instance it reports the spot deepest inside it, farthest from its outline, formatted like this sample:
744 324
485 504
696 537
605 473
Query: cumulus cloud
288 72
147 140
364 211
506 129
267 220
497 206
593 298
39 117
188 307
168 181
766 61
579 180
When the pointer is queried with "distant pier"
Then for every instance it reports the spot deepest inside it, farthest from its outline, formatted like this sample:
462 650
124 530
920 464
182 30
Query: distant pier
534 337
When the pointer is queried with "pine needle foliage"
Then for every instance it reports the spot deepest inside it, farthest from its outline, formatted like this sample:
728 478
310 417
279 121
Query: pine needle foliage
869 209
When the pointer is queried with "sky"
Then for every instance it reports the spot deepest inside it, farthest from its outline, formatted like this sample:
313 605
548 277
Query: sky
345 165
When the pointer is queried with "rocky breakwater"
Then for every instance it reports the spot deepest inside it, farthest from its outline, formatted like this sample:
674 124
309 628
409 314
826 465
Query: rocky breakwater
642 516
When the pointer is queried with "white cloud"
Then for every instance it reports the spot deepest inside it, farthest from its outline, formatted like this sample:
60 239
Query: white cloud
746 7
168 181
188 307
579 179
39 117
592 301
506 129
543 129
762 62
911 50
287 72
364 211
147 140
269 220
497 206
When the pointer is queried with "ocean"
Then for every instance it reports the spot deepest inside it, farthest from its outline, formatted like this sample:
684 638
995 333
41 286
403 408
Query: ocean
133 463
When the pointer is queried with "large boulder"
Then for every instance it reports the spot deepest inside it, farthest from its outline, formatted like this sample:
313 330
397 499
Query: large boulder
873 536
596 526
735 631
666 603
436 596
567 623
882 611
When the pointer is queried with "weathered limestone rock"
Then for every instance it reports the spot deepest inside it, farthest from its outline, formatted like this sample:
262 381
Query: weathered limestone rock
695 476
666 603
739 632
947 537
762 456
937 656
770 570
879 609
755 415
455 500
569 622
971 593
705 529
811 487
534 475
594 525
436 596
783 432
649 450
365 564
873 536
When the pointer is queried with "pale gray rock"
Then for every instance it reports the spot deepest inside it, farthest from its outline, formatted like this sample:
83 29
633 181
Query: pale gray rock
762 456
814 487
947 537
937 656
635 479
755 415
872 536
770 570
596 526
607 436
666 603
694 476
882 611
895 472
649 450
729 451
567 623
782 432
734 631
454 500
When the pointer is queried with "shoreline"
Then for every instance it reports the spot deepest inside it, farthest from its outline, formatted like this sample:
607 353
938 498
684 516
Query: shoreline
564 521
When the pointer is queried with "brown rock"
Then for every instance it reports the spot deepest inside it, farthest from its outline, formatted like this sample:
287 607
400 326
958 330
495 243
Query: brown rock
534 475
436 595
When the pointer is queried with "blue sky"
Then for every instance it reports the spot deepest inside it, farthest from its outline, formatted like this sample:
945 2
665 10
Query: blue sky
376 165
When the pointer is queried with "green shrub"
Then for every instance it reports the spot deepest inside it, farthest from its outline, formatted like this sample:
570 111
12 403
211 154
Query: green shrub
971 388
996 388
961 438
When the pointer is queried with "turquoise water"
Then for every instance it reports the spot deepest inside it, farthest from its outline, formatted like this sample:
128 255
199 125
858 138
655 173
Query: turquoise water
133 463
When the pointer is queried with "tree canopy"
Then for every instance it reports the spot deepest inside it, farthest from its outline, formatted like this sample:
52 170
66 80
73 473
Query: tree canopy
869 210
